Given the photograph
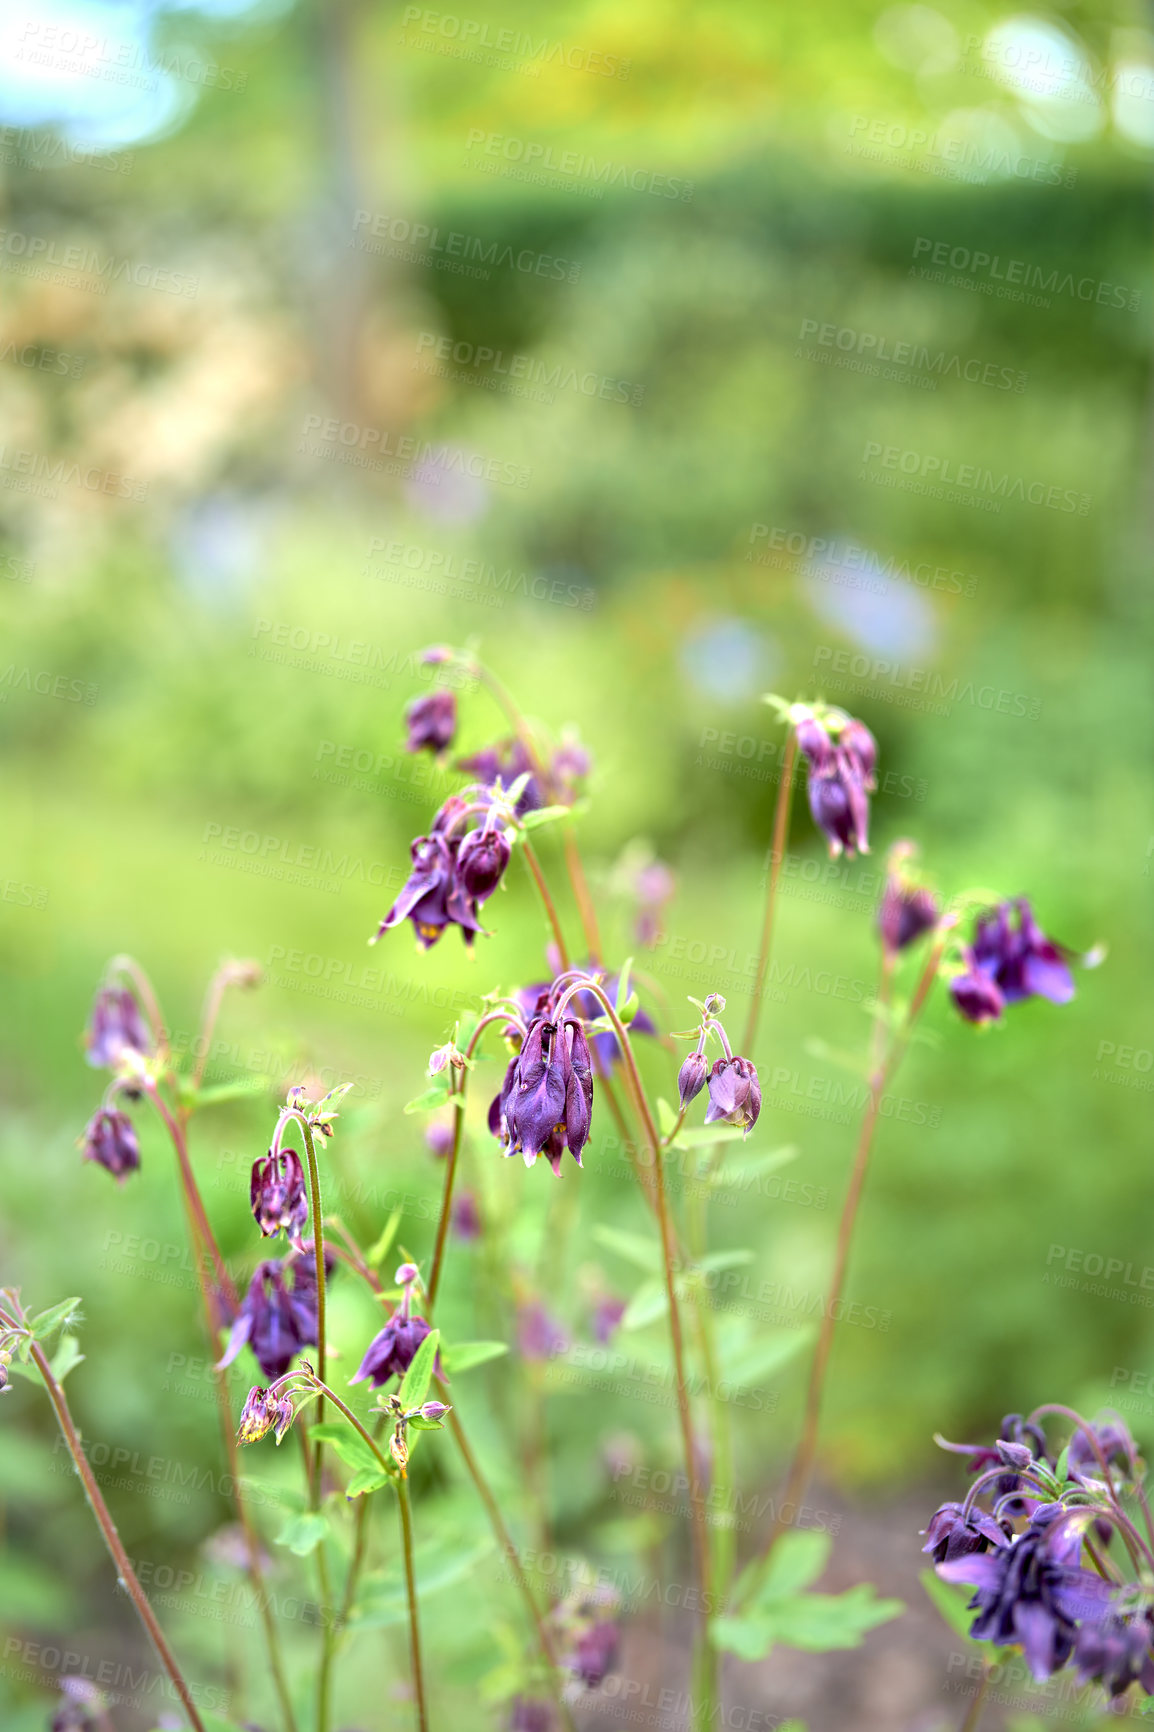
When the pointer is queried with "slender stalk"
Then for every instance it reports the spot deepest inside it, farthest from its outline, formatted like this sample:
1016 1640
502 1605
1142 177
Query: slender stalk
881 1075
411 1593
581 895
192 1192
324 1670
534 866
780 837
457 1100
700 1528
974 1714
120 1558
129 965
228 974
723 1475
505 1541
318 1258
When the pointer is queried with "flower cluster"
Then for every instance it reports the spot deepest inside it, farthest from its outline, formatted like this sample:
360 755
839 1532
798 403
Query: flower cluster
278 1314
734 1088
1018 1540
1010 959
545 1103
841 755
454 869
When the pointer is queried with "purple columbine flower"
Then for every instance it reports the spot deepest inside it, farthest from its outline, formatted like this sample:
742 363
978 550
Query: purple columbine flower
110 1140
115 1026
263 1412
1010 959
954 1534
545 1104
431 721
907 909
1115 1442
503 763
1032 1593
393 1348
278 1314
691 1078
277 1194
539 1336
841 755
481 861
433 897
1116 1653
734 1093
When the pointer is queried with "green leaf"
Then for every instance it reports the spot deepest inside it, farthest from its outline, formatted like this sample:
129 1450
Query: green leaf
666 1117
376 1256
951 1603
740 1170
797 1560
418 1377
348 1443
629 1009
304 1533
818 1623
429 1099
236 1090
650 1302
642 1252
543 815
68 1357
466 1354
748 1638
369 1479
707 1135
420 1423
761 1358
623 986
717 1260
56 1315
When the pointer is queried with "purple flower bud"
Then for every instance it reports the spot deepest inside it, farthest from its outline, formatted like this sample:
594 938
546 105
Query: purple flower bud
906 912
529 1715
392 1350
539 1336
434 1410
110 1140
691 1078
814 743
734 1093
407 1274
466 1217
277 1194
975 994
952 1534
264 1412
1015 1455
439 1137
481 862
3 1375
431 721
437 654
433 897
115 1026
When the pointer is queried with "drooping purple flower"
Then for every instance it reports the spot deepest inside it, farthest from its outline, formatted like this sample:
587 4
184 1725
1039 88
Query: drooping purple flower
954 1534
82 1707
594 1652
691 1078
277 1194
1114 1441
263 1412
115 1026
734 1093
392 1349
1116 1653
907 909
1033 1592
439 1138
1010 959
278 1314
433 897
110 1140
481 861
431 721
841 755
545 1104
975 994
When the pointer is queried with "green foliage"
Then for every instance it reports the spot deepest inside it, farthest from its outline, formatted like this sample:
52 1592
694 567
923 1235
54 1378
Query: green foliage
772 1606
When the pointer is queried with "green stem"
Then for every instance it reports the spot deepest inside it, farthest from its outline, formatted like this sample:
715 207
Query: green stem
777 855
458 1098
411 1594
974 1713
534 866
723 1474
120 1558
192 1193
580 887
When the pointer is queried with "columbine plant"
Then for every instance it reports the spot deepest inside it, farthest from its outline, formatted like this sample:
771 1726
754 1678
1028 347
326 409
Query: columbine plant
573 1060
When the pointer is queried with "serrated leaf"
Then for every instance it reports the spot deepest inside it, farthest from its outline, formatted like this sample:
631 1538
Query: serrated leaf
543 815
304 1533
429 1099
798 1559
466 1354
56 1315
368 1479
377 1254
348 1443
418 1377
642 1252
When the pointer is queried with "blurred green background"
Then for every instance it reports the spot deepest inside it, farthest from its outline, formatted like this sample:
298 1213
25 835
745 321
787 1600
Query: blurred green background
219 560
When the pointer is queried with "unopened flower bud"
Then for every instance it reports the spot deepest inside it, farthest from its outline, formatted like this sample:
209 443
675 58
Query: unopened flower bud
481 862
431 721
277 1194
434 1410
691 1078
1015 1455
110 1140
406 1273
